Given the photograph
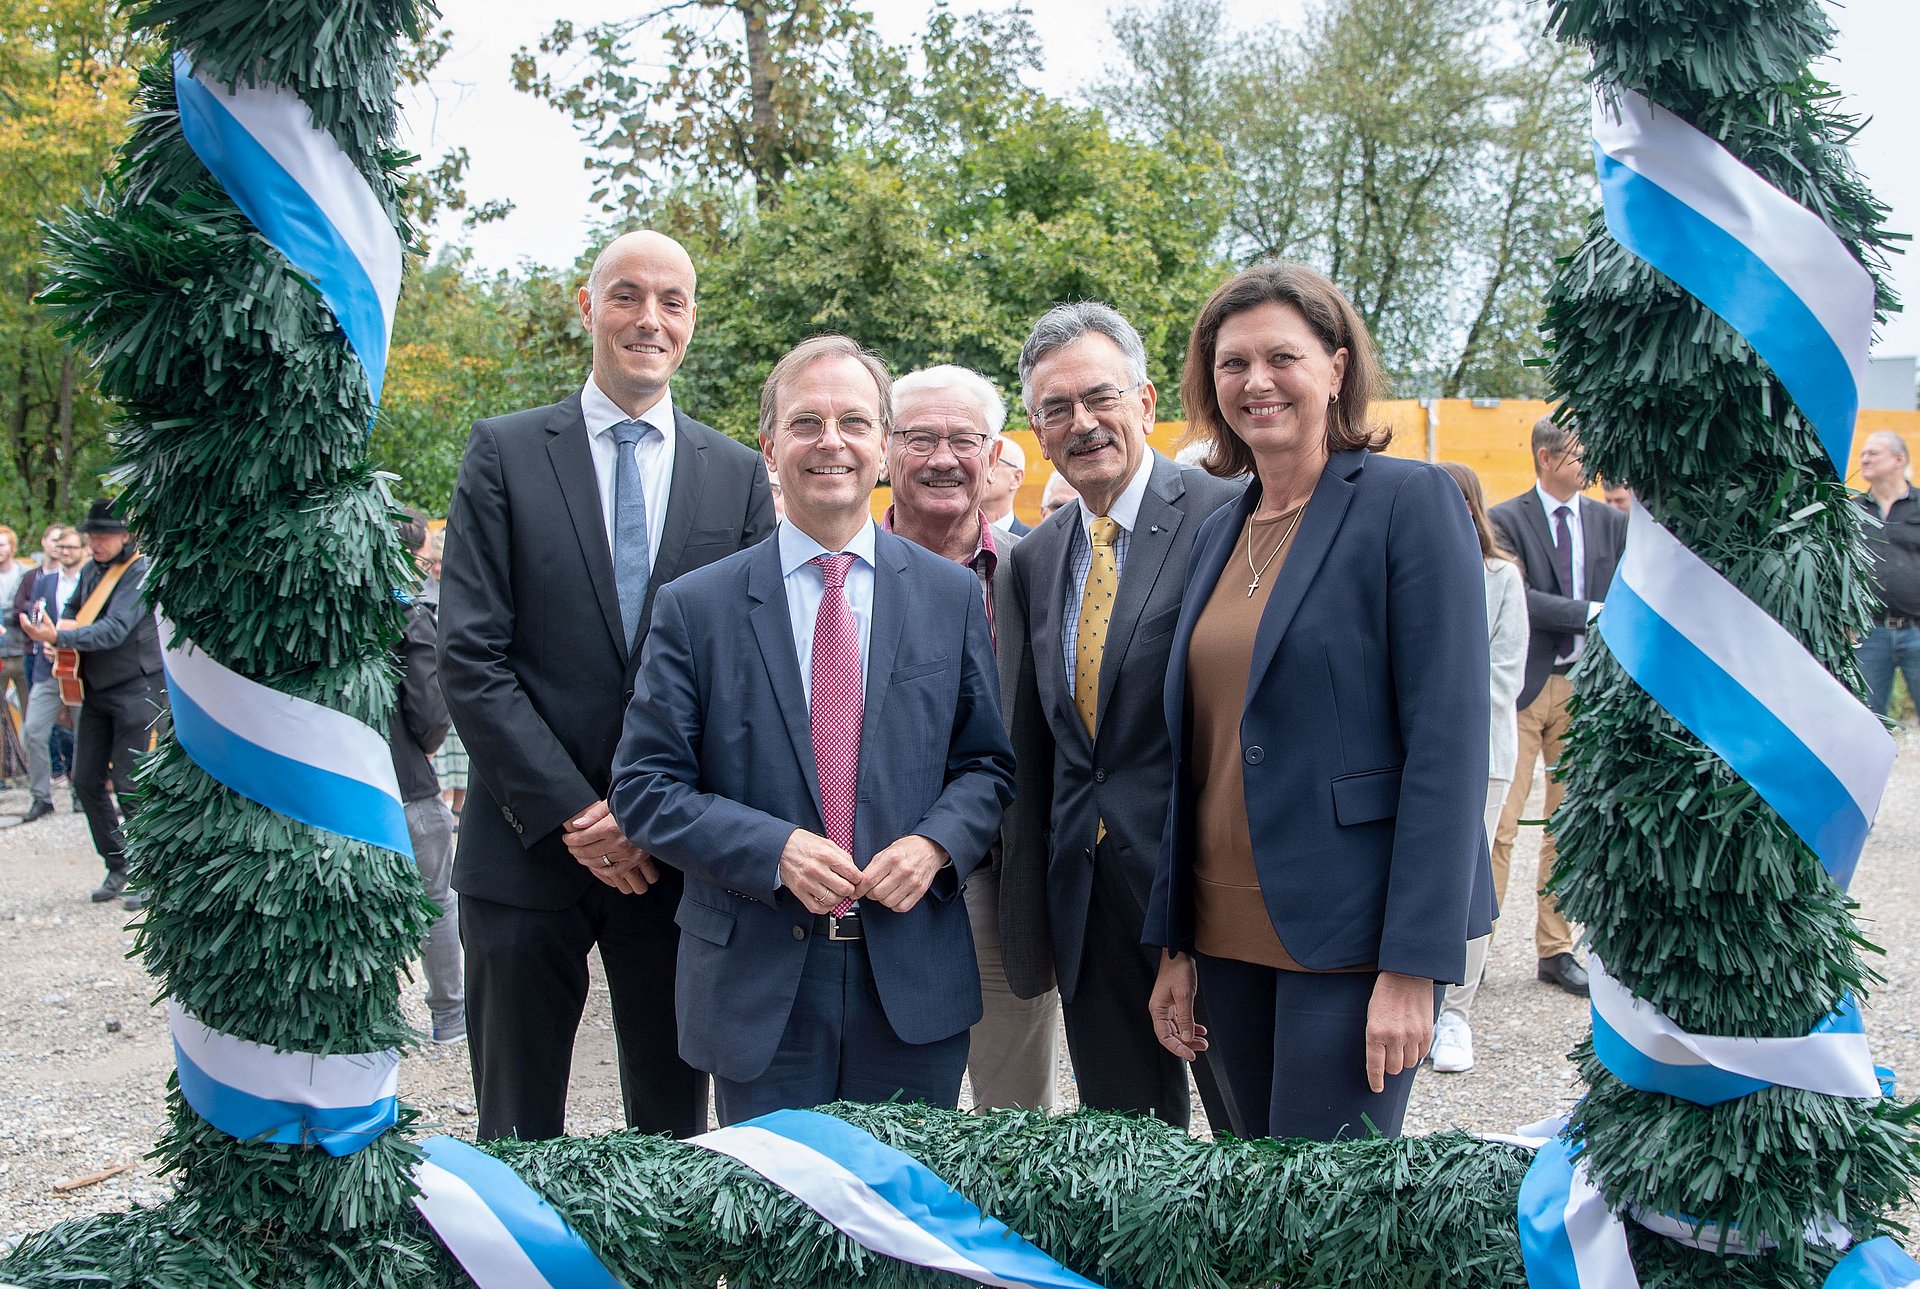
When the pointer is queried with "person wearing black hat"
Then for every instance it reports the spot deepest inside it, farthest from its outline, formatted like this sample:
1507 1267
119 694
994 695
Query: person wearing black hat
109 624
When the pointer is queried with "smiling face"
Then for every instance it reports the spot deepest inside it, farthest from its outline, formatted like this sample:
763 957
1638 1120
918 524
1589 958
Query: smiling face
1276 379
639 308
826 480
1097 452
932 492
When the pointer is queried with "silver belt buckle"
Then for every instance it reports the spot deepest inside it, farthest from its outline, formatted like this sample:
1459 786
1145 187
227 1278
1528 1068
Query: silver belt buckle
834 924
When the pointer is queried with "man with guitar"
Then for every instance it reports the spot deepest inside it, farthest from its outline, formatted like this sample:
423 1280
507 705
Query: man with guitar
107 659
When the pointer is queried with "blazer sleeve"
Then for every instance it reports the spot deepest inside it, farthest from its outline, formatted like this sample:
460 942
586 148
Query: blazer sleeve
1437 646
1507 639
524 766
965 816
422 704
656 793
126 606
1026 935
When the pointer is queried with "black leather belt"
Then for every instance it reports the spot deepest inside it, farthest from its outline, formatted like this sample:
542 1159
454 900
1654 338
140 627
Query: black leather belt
1897 621
845 927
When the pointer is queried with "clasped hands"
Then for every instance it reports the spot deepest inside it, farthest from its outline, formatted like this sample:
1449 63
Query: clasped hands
1399 1017
821 875
595 841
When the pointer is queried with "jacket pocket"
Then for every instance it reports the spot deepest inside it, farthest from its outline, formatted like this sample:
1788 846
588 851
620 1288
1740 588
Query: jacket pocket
914 670
1364 798
715 926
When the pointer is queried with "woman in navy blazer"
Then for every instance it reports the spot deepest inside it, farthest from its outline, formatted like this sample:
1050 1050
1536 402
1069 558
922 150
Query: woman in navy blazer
1323 866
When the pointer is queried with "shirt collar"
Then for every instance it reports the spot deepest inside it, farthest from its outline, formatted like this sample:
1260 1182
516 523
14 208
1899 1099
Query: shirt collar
982 549
796 547
1126 508
1552 503
602 413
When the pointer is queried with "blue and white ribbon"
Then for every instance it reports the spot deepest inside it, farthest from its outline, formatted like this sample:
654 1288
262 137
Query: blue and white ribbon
1877 1264
888 1201
1770 267
303 760
1646 1050
258 1093
496 1226
304 194
1569 1238
1744 686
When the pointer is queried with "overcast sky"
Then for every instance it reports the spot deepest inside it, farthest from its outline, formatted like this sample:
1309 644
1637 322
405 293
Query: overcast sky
528 153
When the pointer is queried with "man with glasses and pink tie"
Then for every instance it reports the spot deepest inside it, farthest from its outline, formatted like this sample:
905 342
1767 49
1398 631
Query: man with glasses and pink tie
815 741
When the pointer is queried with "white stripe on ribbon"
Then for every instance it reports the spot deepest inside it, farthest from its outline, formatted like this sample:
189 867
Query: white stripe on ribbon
303 760
1655 1054
499 1229
1767 265
885 1199
1569 1238
302 191
251 1091
1749 690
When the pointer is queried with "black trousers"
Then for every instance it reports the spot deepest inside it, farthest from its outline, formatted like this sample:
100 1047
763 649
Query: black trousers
527 989
1118 1062
115 726
1292 1046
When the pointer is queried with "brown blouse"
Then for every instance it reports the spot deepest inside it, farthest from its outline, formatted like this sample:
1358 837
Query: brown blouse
1230 914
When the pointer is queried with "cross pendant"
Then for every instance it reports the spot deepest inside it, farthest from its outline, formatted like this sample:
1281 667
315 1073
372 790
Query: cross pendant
1253 586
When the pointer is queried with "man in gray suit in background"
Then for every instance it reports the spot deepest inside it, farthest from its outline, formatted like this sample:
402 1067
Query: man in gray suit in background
1096 588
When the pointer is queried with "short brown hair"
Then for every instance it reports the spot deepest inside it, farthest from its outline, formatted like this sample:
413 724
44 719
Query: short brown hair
412 527
1333 320
1552 434
811 351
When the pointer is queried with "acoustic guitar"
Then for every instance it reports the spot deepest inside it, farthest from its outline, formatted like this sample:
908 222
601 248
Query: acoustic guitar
66 662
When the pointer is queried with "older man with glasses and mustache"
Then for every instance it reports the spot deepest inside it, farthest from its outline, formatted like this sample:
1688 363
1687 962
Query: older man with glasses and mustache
942 455
1096 588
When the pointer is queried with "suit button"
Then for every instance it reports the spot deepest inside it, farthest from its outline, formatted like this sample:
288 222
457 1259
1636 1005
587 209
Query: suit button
1099 776
629 695
799 933
1256 754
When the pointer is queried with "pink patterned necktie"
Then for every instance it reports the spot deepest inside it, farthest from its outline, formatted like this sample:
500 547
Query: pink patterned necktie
837 705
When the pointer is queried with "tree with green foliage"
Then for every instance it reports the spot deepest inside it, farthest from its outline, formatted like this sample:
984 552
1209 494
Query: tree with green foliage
1695 893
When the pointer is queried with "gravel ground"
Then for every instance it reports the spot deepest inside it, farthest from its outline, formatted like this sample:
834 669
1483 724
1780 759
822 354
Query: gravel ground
84 1054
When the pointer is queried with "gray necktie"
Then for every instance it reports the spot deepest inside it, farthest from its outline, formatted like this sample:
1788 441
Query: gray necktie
630 565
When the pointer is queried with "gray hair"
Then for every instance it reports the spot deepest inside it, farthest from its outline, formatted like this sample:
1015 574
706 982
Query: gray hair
970 384
1891 441
1066 323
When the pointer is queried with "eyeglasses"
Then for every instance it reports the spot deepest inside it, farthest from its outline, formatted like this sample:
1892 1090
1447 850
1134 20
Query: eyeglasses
1057 413
809 428
924 443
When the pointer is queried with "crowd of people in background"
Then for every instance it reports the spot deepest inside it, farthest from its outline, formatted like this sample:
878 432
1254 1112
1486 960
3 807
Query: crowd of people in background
1217 767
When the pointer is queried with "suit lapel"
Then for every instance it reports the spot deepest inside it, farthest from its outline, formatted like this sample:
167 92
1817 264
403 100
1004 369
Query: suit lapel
1147 546
683 502
773 631
1209 563
1592 527
1536 519
1326 511
883 642
572 462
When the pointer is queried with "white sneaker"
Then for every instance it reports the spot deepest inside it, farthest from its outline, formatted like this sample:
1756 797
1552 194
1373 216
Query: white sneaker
1452 1045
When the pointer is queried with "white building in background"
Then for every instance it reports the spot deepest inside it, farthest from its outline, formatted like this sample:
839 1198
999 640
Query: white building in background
1890 384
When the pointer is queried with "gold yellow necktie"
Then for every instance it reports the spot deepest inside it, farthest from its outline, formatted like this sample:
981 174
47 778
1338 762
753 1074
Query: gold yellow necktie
1096 613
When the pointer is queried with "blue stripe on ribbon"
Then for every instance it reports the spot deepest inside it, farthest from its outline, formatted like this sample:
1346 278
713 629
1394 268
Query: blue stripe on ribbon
923 1198
314 796
337 1130
1700 1084
1727 277
287 216
1721 713
542 1234
1877 1264
1546 1251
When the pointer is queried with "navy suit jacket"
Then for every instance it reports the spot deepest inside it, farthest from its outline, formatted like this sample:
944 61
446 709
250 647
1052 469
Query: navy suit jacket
715 770
1365 732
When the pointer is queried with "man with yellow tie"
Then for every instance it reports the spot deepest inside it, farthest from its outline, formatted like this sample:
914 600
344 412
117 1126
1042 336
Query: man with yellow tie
1092 597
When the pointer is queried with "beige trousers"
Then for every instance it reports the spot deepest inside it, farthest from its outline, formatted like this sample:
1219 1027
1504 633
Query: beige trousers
1543 732
1013 1049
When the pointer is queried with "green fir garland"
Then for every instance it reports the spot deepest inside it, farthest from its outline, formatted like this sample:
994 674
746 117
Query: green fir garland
241 455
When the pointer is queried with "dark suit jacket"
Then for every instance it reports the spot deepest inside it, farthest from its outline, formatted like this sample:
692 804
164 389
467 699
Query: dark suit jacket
1365 729
1066 782
535 670
716 770
1551 609
42 588
123 643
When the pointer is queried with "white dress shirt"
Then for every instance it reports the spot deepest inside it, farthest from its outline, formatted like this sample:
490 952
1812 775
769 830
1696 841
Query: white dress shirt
1125 511
806 585
1578 591
653 453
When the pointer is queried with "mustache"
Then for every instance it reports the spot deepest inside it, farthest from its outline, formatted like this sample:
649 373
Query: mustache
1090 439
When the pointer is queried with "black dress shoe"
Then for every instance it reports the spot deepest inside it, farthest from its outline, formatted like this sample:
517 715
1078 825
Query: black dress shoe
115 883
38 810
1562 970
